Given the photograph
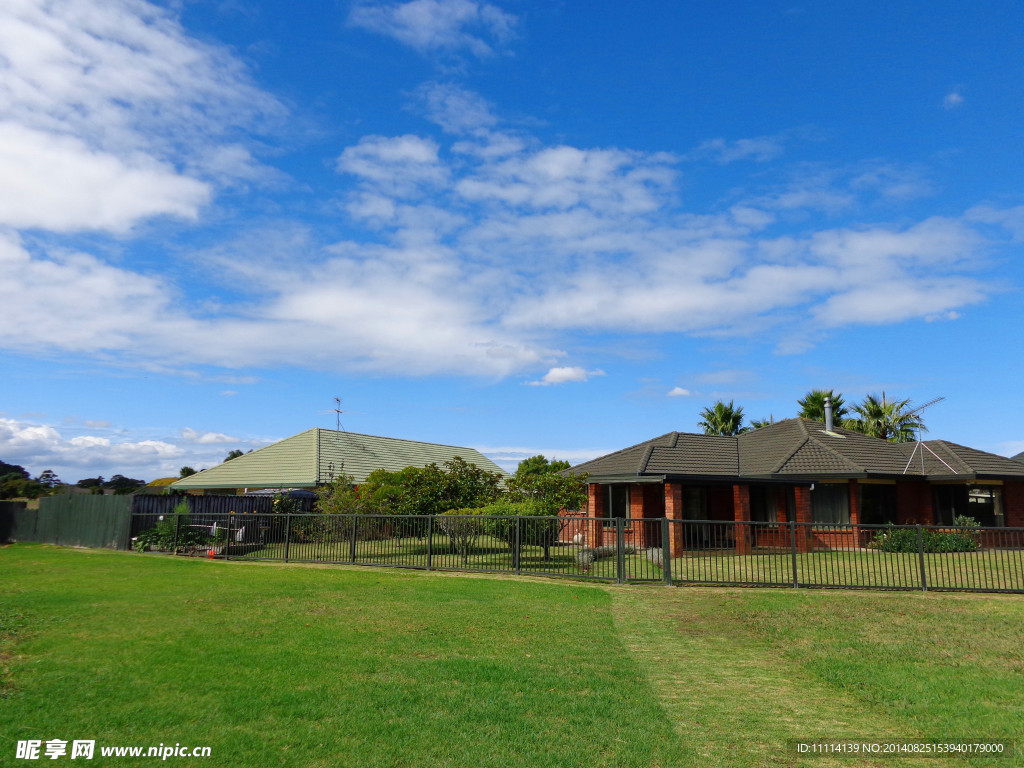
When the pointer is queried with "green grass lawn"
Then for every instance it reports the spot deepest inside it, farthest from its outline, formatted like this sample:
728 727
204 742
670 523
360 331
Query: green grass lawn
320 666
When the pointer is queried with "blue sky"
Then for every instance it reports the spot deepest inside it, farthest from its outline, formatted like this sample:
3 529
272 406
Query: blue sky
521 226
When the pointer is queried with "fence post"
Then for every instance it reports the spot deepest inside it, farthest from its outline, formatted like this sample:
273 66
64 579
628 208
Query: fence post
792 552
519 551
430 542
177 529
352 546
620 550
287 534
227 540
666 551
920 559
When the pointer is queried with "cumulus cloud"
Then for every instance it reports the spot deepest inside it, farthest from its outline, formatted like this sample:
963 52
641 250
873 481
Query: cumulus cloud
207 438
679 392
562 375
110 112
429 26
40 446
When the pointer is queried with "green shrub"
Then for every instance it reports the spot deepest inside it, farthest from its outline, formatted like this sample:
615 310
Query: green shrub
963 539
463 527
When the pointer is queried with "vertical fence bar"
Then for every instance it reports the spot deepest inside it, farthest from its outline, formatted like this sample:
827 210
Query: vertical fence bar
287 535
620 550
920 559
352 544
792 553
227 541
666 552
177 527
430 542
519 546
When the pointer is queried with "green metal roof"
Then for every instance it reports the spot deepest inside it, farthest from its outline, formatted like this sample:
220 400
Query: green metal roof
315 456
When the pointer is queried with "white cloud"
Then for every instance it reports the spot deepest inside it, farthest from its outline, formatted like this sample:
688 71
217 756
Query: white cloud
508 457
564 375
112 100
207 438
397 166
39 446
679 392
953 100
722 151
454 108
430 26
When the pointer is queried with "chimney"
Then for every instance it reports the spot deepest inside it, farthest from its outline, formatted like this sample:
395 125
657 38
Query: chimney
828 414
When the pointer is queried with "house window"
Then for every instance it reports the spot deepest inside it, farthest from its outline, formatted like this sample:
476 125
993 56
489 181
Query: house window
830 503
762 504
617 503
984 504
695 503
877 504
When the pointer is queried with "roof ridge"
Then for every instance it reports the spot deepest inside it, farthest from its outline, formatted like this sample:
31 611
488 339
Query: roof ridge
628 448
778 467
834 452
645 459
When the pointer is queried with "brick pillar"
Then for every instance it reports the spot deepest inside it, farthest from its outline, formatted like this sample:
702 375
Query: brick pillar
1013 504
595 509
674 511
741 513
804 536
636 500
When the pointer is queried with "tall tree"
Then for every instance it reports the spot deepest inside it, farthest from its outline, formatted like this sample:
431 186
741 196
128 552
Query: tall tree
234 455
48 479
722 419
186 471
539 465
812 406
891 420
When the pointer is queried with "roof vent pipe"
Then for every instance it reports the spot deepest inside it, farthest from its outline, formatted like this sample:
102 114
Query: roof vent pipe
828 414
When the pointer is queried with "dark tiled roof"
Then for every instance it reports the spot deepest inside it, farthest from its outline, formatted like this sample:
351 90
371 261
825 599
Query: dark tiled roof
797 448
695 455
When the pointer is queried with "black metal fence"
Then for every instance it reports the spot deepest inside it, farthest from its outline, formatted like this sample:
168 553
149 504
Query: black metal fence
613 549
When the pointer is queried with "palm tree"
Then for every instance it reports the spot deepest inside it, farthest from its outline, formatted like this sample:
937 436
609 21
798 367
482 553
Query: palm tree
891 420
813 405
722 419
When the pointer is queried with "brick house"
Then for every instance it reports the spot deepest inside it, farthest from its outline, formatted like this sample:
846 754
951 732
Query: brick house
796 470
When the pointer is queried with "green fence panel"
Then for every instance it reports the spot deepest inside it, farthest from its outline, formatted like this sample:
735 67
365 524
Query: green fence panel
84 521
15 521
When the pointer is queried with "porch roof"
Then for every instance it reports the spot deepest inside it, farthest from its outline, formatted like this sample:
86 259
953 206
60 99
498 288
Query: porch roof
798 449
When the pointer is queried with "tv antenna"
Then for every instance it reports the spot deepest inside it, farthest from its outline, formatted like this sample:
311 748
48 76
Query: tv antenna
919 446
337 414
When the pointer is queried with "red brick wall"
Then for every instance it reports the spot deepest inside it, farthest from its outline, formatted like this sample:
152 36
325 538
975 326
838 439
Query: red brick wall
1013 504
674 511
804 540
741 512
636 500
